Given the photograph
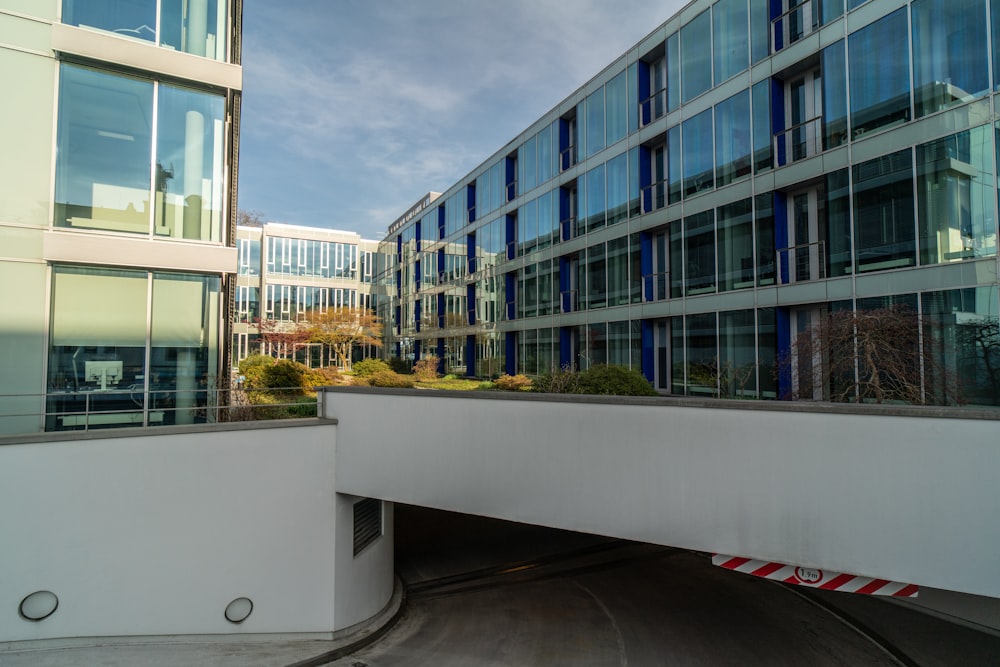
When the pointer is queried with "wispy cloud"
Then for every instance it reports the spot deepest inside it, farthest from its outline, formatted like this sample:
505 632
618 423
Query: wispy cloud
393 98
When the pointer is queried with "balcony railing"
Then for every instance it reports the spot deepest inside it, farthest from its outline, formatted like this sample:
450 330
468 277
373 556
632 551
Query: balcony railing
512 190
801 263
801 20
567 157
656 286
654 197
60 411
653 107
569 301
799 141
566 228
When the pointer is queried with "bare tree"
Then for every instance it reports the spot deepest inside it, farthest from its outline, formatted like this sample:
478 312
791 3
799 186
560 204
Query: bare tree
341 329
249 218
874 356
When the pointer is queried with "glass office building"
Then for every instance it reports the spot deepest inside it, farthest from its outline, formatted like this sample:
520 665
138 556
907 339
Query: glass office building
288 271
117 210
747 168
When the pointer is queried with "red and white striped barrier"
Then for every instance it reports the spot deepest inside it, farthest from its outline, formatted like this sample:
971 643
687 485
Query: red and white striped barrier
822 579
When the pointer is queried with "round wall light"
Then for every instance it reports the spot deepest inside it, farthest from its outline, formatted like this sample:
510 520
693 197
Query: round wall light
38 606
238 610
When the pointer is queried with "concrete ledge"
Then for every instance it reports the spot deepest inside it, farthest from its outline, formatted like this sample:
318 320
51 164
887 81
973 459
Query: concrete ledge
114 433
883 410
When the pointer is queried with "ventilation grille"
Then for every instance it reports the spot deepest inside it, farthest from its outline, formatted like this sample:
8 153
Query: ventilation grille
367 523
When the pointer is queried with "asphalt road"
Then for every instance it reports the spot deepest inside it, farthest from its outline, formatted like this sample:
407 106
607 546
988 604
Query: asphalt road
489 593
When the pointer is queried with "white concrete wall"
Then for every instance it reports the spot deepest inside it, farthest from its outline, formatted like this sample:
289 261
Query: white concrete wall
156 534
911 499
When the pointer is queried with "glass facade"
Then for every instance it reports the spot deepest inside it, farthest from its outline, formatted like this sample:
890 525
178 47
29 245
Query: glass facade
110 175
748 192
198 27
131 348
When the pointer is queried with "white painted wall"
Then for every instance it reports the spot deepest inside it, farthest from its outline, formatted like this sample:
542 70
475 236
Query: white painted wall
156 534
905 498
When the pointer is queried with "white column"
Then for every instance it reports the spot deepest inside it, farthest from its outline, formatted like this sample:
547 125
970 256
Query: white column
197 27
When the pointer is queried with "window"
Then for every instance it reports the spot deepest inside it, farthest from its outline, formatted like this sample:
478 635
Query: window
730 25
879 74
197 27
698 154
616 109
883 212
699 253
956 197
109 174
595 122
761 94
950 63
736 246
732 138
106 371
696 56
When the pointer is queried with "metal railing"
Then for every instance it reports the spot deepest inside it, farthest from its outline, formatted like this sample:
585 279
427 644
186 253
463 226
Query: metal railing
653 197
801 263
653 107
799 141
567 157
801 20
656 286
74 410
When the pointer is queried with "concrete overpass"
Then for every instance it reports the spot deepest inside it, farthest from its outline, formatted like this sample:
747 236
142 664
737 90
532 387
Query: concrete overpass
156 532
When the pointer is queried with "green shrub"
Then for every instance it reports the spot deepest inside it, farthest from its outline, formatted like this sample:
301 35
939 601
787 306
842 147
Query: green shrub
321 377
367 367
450 376
286 374
400 366
390 379
253 369
513 382
614 381
426 369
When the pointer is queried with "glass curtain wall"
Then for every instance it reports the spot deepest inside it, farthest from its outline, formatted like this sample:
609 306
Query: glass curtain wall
950 62
732 138
879 74
197 27
129 348
731 36
109 175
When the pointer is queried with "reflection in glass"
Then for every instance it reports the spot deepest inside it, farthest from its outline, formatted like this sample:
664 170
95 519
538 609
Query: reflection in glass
834 67
956 196
879 74
618 266
702 355
104 148
730 25
698 154
596 198
696 58
617 184
736 246
883 213
597 276
128 18
762 137
950 63
764 223
699 253
737 354
192 26
673 58
732 138
617 123
963 334
595 122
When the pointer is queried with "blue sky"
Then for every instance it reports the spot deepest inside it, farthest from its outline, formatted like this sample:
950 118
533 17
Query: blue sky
353 109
